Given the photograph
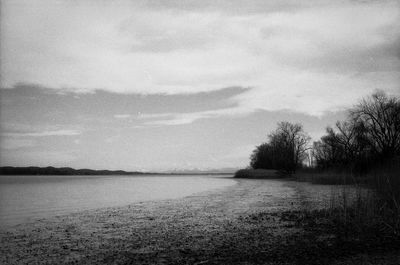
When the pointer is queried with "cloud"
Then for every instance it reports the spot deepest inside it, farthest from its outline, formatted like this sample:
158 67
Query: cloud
187 118
309 57
26 108
12 144
166 32
234 7
330 45
122 116
43 133
310 93
37 158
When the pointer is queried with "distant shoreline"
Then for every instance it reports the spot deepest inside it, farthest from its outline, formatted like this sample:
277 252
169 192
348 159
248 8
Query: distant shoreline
7 170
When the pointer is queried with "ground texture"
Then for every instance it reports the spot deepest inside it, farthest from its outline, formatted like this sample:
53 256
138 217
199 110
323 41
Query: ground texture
252 222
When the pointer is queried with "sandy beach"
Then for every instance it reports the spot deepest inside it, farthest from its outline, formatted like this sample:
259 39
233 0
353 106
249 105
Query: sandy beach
247 223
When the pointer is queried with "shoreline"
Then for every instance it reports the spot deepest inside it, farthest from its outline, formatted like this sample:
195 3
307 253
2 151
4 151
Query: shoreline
76 194
245 223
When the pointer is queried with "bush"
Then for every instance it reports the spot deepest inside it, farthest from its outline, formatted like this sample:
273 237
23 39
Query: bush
257 173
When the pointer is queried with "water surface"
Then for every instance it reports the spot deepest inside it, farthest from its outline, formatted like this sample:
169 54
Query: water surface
26 198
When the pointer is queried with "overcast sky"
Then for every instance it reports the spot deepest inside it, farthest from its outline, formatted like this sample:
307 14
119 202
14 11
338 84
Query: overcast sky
163 85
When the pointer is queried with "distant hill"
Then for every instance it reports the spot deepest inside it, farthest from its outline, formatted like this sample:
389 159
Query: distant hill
62 171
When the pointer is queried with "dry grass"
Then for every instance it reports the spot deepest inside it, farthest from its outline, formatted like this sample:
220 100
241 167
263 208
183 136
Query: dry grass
372 212
329 177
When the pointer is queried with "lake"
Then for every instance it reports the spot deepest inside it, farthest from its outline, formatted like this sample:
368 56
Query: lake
26 198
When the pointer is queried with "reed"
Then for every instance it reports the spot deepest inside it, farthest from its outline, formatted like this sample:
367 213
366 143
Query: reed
368 211
374 209
328 177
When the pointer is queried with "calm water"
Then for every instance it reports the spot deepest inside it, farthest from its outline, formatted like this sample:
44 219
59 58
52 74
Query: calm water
25 198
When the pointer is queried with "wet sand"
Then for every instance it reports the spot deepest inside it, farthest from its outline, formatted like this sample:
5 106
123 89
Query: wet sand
240 224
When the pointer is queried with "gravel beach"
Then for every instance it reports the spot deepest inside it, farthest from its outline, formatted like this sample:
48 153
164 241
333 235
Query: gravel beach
240 224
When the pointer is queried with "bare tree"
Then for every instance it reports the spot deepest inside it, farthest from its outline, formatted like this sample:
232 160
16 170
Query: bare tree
292 142
350 136
369 135
285 150
380 114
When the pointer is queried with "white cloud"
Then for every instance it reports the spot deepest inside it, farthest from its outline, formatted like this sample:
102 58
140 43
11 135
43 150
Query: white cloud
310 59
43 133
187 118
311 93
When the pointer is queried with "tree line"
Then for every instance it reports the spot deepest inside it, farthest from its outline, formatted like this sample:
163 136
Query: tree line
369 136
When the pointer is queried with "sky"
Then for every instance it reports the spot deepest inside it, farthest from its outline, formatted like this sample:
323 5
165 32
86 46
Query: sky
176 85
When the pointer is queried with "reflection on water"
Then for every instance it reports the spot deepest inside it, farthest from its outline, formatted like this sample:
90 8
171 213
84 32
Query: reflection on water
23 198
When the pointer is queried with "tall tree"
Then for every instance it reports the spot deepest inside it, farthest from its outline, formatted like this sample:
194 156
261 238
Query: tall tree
342 146
285 150
369 135
293 142
380 114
